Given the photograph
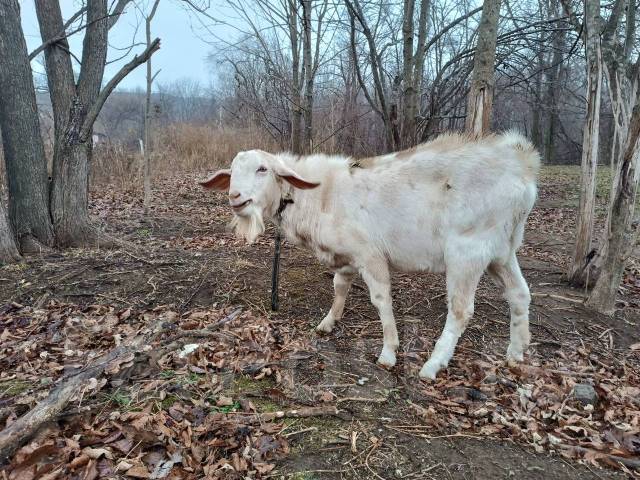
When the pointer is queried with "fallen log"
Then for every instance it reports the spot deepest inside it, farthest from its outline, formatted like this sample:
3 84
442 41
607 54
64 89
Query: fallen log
49 409
20 431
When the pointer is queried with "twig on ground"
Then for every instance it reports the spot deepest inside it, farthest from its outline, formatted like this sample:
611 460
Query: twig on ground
558 297
361 399
304 412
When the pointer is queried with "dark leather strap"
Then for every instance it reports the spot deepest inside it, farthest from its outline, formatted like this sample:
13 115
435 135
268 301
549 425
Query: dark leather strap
276 254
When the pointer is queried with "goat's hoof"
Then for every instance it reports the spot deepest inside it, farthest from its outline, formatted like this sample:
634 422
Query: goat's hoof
514 356
387 358
325 326
429 371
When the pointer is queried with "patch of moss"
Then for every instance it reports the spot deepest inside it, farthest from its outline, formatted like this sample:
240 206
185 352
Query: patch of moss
121 399
16 267
264 405
191 379
244 384
167 374
326 430
168 402
11 388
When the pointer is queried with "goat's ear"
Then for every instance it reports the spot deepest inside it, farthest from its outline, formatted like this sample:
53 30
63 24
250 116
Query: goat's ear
288 174
219 180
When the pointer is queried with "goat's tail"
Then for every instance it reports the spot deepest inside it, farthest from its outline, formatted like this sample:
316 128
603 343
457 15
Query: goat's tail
525 152
521 215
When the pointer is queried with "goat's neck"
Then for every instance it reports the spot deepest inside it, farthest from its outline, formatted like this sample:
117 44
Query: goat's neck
282 204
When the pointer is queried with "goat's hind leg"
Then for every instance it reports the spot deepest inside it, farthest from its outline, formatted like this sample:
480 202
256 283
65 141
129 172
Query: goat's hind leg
461 289
376 276
342 280
516 292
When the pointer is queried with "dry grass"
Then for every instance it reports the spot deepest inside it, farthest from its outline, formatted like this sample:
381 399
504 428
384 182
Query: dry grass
178 149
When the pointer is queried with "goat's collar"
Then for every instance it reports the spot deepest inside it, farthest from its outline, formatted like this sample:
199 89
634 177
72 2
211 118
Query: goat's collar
284 202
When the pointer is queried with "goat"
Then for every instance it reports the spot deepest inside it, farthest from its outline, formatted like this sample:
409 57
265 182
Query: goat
456 205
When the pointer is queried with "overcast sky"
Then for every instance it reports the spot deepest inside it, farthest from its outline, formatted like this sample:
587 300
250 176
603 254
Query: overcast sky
182 53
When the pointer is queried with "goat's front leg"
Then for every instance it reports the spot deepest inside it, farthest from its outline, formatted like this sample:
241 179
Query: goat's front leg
342 280
376 276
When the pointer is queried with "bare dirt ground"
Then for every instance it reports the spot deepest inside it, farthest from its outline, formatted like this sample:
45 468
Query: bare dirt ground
198 395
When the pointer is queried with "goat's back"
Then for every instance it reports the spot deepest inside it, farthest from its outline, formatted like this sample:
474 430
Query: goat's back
452 193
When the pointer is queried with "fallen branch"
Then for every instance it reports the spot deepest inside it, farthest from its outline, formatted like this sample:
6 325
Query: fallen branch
20 431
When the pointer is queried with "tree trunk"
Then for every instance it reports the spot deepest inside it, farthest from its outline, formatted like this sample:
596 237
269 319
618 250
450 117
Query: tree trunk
70 195
413 68
552 95
582 253
622 85
23 147
407 70
8 248
536 111
296 97
623 233
308 76
480 98
148 117
413 100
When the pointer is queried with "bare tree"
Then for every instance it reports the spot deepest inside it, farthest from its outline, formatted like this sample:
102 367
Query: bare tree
283 39
379 99
622 74
311 61
623 232
583 245
551 98
76 106
413 67
23 146
480 98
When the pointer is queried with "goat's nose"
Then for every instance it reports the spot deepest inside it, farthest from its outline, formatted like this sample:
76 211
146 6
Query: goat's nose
233 195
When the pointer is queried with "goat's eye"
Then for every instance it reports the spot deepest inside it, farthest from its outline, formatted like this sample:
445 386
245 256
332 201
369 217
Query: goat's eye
261 169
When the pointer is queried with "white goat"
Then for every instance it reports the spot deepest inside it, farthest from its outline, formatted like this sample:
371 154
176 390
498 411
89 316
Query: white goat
456 205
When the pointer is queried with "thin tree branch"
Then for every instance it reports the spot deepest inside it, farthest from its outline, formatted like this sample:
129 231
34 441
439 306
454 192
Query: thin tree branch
117 11
92 115
442 32
62 34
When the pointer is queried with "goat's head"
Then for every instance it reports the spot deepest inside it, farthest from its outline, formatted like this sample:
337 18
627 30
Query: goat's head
255 185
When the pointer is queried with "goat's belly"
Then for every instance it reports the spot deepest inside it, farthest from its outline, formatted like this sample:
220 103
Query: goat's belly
410 240
416 260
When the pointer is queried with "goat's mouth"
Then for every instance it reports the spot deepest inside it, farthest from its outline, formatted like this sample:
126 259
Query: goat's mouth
240 206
